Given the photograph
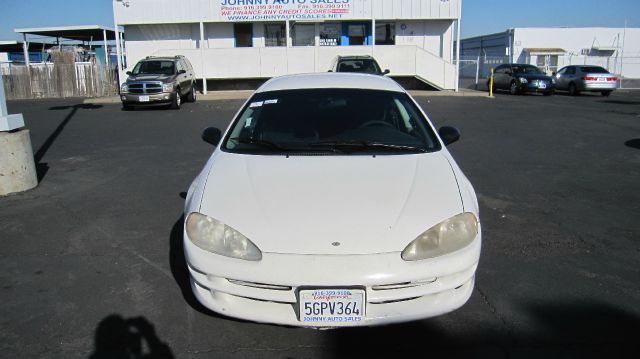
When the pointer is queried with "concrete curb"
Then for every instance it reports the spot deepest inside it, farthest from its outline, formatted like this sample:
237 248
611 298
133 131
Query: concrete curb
245 94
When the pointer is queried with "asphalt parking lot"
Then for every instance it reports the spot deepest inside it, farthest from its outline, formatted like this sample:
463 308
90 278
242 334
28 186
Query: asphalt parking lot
90 261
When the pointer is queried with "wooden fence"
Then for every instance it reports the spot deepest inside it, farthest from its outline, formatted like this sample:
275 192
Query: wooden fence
57 80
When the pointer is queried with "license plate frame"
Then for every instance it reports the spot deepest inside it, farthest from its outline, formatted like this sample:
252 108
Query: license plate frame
542 85
331 307
143 99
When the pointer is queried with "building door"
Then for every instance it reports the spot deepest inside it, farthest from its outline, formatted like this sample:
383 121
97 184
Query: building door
356 33
243 33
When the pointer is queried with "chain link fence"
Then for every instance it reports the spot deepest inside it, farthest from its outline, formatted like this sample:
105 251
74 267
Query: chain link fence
475 71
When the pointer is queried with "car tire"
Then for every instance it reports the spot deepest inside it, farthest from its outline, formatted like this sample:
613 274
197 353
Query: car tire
513 89
176 101
606 93
192 94
573 90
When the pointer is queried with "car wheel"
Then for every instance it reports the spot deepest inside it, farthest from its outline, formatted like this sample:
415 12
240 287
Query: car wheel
192 94
177 101
513 89
606 93
573 89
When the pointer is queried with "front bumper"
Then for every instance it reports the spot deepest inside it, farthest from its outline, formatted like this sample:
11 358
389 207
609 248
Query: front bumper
137 99
395 290
537 87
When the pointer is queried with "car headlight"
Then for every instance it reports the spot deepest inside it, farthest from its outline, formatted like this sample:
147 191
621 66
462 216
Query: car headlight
216 237
167 87
523 80
445 237
124 88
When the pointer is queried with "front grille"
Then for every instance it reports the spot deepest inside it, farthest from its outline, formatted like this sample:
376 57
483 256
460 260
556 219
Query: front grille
146 88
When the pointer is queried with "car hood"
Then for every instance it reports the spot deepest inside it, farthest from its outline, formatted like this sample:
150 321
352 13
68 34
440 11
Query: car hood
331 204
150 77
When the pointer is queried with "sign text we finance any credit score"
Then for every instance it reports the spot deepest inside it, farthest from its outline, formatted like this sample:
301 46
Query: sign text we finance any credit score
280 2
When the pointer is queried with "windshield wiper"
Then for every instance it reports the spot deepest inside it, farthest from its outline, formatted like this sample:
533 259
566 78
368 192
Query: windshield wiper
275 146
262 143
364 145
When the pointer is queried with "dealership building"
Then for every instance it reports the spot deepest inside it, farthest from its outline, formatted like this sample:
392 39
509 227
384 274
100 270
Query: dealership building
259 39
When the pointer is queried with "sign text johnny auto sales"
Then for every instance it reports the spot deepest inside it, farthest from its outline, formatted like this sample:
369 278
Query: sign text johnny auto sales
248 10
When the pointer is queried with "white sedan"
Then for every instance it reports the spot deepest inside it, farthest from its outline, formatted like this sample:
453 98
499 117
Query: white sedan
330 201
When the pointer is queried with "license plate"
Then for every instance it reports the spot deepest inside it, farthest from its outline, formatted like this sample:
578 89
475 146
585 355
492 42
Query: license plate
143 98
602 79
542 85
331 306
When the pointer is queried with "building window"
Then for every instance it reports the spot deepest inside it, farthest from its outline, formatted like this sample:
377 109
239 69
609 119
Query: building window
330 34
304 35
275 35
357 34
243 33
385 33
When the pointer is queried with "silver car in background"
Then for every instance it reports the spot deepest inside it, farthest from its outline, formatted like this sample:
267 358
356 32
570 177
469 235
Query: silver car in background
579 78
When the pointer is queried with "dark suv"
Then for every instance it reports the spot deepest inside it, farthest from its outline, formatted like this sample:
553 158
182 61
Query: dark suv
361 64
520 78
159 80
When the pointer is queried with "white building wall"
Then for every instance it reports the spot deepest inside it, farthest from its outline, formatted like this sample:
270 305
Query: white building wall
182 11
574 40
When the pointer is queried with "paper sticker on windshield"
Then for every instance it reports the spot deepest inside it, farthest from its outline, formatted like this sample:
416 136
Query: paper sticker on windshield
256 104
271 102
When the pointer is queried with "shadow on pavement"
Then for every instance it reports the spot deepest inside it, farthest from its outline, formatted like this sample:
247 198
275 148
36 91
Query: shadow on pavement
133 338
43 168
179 268
634 143
556 330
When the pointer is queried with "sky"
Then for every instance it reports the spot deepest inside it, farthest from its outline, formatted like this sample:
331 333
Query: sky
478 16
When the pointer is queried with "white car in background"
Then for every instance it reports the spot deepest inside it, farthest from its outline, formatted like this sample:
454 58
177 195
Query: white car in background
331 202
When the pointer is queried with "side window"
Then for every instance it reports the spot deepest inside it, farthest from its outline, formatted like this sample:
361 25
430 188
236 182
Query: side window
562 71
571 70
179 66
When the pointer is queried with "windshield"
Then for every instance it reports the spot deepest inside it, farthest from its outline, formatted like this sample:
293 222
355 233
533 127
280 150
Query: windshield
331 121
366 66
594 70
527 69
154 68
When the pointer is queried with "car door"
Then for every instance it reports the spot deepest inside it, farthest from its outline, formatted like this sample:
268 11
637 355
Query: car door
182 78
561 79
570 76
498 77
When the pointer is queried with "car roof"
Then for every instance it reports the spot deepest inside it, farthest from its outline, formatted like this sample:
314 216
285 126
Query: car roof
324 80
361 57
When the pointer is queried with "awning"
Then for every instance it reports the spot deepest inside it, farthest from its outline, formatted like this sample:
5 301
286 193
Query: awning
16 46
545 51
79 33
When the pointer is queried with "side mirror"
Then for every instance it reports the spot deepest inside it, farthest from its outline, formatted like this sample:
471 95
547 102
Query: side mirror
554 73
386 72
182 72
449 134
129 73
212 135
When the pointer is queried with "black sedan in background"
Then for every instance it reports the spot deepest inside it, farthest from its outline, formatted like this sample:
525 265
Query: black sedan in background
519 78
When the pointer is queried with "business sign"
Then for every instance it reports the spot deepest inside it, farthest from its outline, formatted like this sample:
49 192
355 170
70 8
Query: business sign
274 10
